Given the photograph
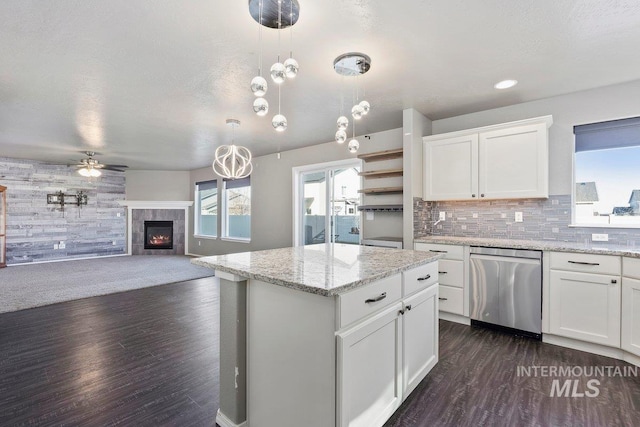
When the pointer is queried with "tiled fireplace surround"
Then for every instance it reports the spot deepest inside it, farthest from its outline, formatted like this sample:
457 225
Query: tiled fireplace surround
544 219
140 211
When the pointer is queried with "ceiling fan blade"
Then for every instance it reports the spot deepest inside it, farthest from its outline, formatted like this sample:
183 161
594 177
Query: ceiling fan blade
117 166
107 168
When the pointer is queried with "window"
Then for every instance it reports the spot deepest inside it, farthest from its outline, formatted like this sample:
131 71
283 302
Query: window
606 173
206 209
237 209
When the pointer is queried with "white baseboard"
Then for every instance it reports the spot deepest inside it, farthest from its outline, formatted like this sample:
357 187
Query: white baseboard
454 318
223 421
65 259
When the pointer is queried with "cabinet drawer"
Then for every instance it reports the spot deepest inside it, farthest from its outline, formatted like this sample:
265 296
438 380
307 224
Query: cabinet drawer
420 278
353 305
448 251
631 267
450 299
586 263
450 273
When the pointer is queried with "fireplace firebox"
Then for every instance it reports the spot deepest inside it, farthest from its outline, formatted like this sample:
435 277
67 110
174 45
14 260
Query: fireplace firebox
158 234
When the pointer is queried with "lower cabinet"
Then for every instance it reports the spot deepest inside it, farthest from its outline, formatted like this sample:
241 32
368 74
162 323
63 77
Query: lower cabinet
585 306
631 315
382 359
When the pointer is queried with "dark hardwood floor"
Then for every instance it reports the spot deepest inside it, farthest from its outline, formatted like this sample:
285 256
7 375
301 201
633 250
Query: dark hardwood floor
149 357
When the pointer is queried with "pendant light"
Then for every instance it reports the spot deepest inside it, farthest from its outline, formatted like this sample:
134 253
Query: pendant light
276 14
352 64
232 161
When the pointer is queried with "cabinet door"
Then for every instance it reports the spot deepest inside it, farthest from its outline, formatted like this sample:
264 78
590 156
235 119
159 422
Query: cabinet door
514 162
585 306
369 370
631 315
420 337
451 168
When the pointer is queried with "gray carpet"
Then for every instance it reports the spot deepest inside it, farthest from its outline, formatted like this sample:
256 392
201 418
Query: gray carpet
28 286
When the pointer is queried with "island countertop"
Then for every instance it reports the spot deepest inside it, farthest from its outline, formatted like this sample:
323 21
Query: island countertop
323 269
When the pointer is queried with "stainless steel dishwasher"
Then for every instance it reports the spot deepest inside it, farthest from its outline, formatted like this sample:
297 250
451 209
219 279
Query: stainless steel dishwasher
506 289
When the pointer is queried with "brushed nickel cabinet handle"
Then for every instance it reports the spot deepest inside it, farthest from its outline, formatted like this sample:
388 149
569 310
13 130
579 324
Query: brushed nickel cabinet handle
583 263
376 299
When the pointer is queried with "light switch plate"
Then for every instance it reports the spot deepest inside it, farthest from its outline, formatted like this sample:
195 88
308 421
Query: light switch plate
599 237
518 217
443 216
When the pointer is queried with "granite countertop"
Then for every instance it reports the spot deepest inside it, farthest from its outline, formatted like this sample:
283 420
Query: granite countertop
541 245
324 269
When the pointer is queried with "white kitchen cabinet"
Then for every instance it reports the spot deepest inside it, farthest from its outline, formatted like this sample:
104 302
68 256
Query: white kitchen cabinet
504 161
630 336
370 370
585 306
420 337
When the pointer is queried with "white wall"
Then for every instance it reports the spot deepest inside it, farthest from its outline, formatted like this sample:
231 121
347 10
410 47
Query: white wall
158 185
272 192
596 105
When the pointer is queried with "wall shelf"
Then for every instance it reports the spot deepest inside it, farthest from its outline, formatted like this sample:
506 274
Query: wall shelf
380 208
386 173
381 190
381 155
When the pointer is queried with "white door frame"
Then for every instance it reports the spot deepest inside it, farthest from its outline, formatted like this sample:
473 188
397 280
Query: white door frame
298 188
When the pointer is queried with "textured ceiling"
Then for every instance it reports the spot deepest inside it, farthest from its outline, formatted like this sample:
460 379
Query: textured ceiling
150 83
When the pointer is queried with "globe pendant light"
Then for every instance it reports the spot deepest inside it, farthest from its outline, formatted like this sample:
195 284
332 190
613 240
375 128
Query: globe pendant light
259 86
232 161
269 13
352 64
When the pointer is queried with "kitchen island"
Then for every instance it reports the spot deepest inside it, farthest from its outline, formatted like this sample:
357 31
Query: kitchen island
323 335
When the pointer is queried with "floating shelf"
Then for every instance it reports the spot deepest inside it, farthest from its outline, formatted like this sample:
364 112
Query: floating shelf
381 155
382 190
382 173
381 208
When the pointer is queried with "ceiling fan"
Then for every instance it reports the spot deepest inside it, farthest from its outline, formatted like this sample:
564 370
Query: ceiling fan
91 167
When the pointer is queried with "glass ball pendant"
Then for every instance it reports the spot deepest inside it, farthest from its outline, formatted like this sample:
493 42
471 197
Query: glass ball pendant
259 86
353 145
343 122
341 136
357 111
278 73
365 107
291 68
261 107
279 122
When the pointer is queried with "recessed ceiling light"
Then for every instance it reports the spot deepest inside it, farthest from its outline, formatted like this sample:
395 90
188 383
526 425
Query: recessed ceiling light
505 84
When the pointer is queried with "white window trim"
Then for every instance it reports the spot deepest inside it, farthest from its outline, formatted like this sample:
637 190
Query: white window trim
224 229
296 173
196 213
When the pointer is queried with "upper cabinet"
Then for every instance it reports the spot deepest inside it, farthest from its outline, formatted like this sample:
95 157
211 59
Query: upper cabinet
506 161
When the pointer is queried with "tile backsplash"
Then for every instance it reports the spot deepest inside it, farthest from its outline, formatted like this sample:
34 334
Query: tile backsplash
543 219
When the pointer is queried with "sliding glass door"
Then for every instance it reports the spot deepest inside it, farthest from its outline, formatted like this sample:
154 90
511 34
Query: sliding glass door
326 200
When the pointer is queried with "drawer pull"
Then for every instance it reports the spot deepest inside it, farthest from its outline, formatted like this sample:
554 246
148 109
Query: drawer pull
408 307
376 299
442 272
401 312
614 281
583 263
443 299
427 277
436 251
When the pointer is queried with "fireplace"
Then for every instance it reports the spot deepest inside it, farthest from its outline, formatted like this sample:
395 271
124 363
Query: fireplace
158 234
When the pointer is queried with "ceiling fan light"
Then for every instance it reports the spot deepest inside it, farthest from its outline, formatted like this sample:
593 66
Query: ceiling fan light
84 172
94 173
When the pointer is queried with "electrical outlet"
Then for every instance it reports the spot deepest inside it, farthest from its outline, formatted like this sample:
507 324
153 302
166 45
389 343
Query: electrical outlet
113 243
61 245
599 237
443 216
503 215
55 246
518 217
199 243
118 214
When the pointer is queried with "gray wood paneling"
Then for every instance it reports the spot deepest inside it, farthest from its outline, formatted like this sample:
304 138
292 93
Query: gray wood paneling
33 227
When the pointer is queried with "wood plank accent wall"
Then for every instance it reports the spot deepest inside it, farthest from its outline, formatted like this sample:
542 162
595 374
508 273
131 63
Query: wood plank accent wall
33 227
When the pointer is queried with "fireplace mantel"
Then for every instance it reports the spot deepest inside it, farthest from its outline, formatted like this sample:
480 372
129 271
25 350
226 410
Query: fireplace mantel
159 204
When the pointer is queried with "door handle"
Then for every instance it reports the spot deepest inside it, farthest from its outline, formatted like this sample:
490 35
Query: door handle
442 299
583 263
376 299
427 277
442 272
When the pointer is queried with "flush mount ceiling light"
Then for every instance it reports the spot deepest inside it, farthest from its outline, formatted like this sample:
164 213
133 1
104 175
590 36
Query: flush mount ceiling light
352 64
232 161
276 14
505 84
